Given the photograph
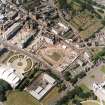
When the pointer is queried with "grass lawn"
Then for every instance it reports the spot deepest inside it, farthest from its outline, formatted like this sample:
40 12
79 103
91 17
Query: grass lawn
55 56
52 95
91 28
84 88
91 102
96 50
20 98
86 23
103 69
92 76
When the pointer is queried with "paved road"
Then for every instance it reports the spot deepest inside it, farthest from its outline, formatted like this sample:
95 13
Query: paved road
35 58
15 48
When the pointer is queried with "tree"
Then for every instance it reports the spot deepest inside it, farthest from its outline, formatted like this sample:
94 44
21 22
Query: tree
103 22
67 75
2 96
81 75
4 85
62 87
74 80
100 10
76 102
99 56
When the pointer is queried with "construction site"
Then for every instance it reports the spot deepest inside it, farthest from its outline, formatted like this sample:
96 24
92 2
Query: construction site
59 56
23 36
37 48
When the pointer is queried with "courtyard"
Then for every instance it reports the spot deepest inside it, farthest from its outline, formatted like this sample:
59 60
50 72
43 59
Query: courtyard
21 63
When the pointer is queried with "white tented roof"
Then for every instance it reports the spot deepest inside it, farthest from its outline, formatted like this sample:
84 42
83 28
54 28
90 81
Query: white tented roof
9 75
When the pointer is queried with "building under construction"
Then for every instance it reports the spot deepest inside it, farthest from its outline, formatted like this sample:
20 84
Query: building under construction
12 30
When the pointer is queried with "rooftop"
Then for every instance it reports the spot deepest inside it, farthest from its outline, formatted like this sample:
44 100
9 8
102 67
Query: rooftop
41 86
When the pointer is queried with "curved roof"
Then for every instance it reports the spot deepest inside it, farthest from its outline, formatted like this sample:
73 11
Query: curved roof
9 75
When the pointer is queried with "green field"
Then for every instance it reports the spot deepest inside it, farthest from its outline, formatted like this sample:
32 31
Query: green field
55 56
86 24
20 98
23 98
91 102
103 69
84 88
96 50
53 94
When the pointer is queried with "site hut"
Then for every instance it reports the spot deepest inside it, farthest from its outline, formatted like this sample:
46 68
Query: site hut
12 30
60 29
1 18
